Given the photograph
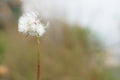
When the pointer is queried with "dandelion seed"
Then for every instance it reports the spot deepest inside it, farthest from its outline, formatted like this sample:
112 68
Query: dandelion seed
30 24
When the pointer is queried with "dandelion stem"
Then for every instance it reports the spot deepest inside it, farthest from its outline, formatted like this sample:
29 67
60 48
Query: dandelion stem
38 58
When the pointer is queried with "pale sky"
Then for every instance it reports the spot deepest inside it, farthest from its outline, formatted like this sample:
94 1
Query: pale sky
102 16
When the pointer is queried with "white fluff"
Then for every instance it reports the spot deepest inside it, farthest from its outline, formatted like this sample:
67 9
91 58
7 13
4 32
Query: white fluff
29 23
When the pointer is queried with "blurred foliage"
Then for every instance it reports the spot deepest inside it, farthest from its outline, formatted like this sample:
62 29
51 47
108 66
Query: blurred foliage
72 55
2 45
15 8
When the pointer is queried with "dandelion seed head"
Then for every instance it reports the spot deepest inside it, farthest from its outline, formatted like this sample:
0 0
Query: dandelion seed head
29 23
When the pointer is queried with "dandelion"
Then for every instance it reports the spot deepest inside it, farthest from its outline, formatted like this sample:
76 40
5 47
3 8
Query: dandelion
30 24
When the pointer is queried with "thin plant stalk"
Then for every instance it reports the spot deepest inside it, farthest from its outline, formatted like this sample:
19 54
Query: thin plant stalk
38 58
30 24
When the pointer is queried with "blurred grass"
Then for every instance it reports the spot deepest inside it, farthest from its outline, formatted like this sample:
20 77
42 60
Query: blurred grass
2 45
71 58
67 52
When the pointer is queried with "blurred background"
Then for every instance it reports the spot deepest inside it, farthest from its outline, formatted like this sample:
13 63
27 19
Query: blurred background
81 43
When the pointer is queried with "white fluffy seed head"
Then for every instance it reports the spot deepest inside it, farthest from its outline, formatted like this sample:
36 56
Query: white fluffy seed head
30 24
